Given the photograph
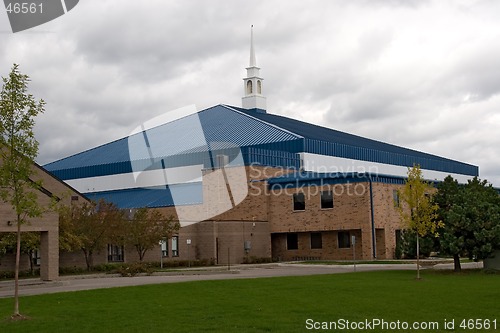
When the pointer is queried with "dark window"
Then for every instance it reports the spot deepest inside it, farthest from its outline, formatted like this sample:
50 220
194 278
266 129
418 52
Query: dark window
326 199
292 241
35 257
299 201
175 246
316 240
344 239
115 253
395 198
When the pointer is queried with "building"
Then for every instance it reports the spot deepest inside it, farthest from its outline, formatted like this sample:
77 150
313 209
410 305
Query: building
47 258
248 184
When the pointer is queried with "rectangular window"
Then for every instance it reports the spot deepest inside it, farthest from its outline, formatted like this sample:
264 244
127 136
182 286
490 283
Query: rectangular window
35 257
175 246
316 240
344 239
164 247
292 241
115 253
395 198
326 199
299 201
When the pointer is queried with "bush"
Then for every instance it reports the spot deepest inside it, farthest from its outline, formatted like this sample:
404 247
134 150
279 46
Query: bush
409 245
135 268
257 260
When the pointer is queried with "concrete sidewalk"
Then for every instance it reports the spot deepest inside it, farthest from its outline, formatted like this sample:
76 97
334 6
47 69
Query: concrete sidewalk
97 281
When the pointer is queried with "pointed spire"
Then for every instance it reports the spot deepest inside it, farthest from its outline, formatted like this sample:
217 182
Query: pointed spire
253 88
253 62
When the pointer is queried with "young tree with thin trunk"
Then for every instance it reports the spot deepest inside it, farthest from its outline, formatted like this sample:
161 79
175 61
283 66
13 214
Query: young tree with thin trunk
18 150
146 229
418 212
89 227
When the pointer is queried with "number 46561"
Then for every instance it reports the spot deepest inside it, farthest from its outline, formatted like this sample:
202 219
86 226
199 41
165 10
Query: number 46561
24 8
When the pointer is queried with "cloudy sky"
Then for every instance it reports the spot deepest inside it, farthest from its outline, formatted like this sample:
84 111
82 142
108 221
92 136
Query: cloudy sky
421 74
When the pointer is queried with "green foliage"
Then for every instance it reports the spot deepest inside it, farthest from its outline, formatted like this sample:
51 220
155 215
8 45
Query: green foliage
18 146
89 227
18 150
146 229
472 219
257 260
408 245
418 212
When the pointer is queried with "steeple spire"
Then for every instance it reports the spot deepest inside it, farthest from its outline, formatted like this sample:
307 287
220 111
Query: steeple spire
253 62
253 98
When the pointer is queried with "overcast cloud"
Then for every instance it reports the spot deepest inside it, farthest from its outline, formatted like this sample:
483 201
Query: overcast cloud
421 74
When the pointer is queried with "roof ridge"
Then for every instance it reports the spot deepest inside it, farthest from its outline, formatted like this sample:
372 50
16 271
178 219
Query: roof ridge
262 121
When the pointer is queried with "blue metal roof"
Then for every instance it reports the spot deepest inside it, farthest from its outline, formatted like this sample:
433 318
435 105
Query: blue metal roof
185 194
326 141
197 139
185 141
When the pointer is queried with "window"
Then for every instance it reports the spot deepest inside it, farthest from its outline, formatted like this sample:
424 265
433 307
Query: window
35 257
115 253
344 239
316 240
164 248
299 201
326 199
292 241
259 87
175 246
395 198
249 87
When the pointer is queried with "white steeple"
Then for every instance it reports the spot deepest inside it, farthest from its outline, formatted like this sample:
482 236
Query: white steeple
253 98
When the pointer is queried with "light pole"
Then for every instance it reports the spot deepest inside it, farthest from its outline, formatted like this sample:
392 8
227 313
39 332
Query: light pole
161 243
188 242
353 241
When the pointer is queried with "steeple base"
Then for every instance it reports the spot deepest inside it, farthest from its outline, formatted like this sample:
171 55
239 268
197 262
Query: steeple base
254 102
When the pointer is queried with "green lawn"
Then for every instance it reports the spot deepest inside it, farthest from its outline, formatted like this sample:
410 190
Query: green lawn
265 305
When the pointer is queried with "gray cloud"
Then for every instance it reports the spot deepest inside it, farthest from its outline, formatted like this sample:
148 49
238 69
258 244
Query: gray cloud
421 74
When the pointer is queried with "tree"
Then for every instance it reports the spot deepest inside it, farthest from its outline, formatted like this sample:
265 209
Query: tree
472 219
30 243
147 228
452 234
89 227
418 212
18 150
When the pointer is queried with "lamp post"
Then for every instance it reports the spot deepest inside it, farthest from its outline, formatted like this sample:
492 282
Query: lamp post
161 243
188 242
353 241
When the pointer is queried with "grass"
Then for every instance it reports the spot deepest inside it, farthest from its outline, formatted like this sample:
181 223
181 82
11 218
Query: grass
263 305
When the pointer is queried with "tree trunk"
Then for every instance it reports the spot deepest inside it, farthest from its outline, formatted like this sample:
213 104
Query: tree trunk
456 262
88 259
16 274
418 258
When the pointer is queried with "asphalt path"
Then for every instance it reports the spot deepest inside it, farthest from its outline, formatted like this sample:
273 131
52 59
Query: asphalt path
88 282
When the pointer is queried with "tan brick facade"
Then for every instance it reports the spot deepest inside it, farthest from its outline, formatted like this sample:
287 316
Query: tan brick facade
47 225
258 227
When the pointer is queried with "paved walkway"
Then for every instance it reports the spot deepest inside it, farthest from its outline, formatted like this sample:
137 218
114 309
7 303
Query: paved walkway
87 282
